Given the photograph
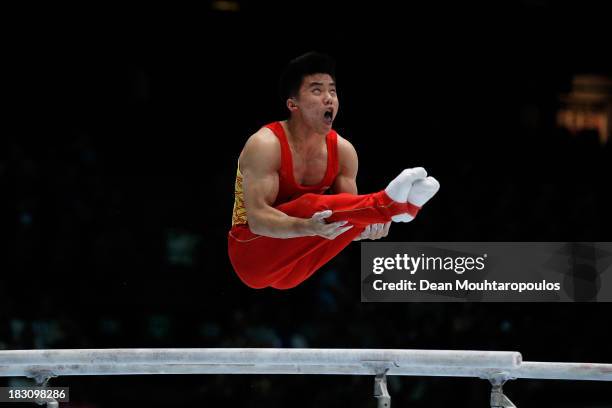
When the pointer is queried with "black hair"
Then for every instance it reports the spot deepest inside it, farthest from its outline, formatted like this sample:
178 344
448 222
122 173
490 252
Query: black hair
306 64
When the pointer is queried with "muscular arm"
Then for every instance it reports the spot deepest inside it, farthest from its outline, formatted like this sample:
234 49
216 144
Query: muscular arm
259 164
346 182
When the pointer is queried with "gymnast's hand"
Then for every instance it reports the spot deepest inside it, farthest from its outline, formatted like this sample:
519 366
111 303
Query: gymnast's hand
374 231
317 226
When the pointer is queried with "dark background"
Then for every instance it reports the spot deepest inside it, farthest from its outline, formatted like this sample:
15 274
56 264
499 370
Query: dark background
117 171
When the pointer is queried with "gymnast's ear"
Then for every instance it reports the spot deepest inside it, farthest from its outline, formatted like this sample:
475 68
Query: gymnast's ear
292 104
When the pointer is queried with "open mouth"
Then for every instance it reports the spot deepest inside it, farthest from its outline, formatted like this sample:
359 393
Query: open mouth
328 116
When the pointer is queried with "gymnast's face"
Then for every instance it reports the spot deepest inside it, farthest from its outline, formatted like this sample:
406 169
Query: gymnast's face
316 103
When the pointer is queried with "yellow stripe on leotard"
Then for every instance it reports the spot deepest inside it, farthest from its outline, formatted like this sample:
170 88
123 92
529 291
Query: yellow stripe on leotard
239 215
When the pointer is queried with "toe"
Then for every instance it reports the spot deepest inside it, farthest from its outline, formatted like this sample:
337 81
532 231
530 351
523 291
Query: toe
433 183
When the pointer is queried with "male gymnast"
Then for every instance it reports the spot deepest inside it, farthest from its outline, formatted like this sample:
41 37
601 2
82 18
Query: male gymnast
284 226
